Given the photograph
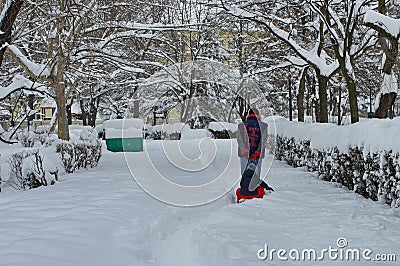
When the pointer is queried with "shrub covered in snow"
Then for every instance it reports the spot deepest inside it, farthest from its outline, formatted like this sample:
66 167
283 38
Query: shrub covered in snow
83 151
27 171
33 168
361 160
36 138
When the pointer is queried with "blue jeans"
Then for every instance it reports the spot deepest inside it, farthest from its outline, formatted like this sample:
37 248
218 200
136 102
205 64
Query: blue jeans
243 163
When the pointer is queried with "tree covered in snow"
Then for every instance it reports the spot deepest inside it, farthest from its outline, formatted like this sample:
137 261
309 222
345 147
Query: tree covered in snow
326 35
388 33
310 57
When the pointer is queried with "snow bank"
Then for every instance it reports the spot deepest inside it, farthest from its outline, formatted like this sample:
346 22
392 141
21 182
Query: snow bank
124 128
220 126
169 128
373 135
188 133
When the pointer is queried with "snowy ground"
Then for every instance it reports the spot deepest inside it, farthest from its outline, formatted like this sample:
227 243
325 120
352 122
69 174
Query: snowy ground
101 217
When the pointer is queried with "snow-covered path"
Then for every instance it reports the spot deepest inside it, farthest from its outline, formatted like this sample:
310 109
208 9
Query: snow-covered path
101 217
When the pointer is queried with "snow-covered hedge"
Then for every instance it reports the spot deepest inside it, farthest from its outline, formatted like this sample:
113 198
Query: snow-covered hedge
36 138
364 157
41 166
82 151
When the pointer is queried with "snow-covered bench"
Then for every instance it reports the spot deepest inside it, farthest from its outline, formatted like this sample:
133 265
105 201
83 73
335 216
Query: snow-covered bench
124 135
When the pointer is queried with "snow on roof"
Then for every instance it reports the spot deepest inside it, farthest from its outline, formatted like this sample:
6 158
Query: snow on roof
48 103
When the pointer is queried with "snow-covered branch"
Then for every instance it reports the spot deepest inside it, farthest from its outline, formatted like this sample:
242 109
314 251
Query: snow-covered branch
34 70
20 82
383 24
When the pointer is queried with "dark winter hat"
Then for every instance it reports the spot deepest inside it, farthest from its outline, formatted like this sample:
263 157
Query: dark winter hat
254 111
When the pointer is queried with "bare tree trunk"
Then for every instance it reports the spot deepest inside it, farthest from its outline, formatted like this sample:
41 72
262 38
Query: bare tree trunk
300 95
31 102
340 105
69 111
93 112
59 86
323 98
84 113
385 105
353 100
62 122
6 25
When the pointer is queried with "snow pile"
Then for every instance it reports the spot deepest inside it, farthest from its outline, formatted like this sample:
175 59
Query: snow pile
102 217
169 128
124 128
188 133
75 131
222 130
176 131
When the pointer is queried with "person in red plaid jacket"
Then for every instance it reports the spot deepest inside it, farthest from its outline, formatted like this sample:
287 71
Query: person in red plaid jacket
252 135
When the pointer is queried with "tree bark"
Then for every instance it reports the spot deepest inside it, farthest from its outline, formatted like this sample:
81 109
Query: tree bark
93 112
59 86
83 112
31 102
69 112
300 95
7 23
61 101
323 98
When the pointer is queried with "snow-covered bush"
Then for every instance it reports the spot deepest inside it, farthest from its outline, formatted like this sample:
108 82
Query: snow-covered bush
36 138
27 138
362 157
27 170
82 152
